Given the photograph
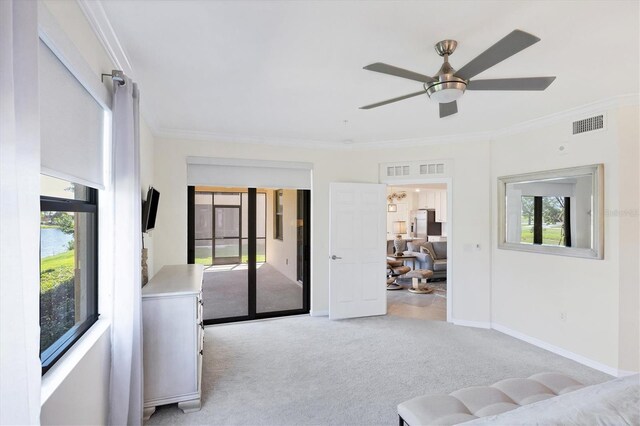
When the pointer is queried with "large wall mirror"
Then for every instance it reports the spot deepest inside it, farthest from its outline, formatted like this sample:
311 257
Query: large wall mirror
554 212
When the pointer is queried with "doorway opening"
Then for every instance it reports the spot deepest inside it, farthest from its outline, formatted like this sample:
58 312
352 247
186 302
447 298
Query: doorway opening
418 264
254 244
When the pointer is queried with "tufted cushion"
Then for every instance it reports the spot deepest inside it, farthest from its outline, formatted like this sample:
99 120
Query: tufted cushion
479 397
434 407
480 401
523 391
558 383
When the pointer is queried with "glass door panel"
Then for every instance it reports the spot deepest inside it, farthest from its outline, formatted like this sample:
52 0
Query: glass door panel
227 234
203 212
277 286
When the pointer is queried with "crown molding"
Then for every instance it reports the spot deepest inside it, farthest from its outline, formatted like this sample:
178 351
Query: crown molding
632 99
101 26
103 29
230 138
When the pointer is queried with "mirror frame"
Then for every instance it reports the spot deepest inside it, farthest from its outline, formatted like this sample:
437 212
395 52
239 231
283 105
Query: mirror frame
597 189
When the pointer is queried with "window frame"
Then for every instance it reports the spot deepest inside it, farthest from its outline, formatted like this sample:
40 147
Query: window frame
53 353
278 216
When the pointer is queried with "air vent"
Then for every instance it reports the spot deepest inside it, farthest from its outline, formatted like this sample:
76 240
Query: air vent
588 124
432 169
398 171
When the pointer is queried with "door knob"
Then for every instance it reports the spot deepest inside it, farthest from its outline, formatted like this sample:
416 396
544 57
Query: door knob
334 257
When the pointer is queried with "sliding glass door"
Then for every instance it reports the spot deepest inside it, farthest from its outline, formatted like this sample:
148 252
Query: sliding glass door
226 234
254 244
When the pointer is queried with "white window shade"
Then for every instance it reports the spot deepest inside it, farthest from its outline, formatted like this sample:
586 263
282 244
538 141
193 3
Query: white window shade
206 171
71 125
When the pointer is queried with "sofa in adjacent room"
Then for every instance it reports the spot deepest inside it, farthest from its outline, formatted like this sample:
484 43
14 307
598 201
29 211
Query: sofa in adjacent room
430 255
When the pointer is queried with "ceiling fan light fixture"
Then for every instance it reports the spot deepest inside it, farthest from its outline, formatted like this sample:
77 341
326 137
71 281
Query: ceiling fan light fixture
446 92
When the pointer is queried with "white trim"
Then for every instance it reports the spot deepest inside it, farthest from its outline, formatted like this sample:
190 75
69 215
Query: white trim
624 373
195 135
323 313
95 14
567 116
101 26
65 365
467 323
558 350
241 162
57 40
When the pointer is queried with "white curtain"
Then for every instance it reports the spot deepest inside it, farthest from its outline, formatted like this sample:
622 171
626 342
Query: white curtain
125 399
20 214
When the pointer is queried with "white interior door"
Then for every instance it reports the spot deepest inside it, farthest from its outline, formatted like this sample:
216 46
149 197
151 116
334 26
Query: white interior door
357 248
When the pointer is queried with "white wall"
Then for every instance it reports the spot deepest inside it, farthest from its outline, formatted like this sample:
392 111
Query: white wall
282 254
627 221
531 290
471 292
80 397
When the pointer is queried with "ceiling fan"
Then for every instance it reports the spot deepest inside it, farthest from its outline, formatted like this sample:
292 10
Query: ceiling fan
448 85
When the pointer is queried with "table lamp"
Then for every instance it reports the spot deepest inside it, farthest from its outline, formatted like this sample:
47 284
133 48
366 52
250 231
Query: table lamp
399 228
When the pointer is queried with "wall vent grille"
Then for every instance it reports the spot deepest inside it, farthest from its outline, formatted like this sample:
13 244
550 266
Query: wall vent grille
432 169
398 171
588 124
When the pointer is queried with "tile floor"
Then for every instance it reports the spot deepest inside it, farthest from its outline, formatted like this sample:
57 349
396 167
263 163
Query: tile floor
431 306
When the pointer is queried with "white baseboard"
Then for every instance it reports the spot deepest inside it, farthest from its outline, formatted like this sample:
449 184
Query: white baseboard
319 313
466 323
560 351
624 373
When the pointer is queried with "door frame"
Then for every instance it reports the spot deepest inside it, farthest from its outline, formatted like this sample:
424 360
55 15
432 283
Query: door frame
252 270
450 229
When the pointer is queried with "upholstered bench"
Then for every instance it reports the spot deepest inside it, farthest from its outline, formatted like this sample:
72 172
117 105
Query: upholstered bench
418 275
479 401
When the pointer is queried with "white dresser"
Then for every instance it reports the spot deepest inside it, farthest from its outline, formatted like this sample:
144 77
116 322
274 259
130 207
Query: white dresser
173 335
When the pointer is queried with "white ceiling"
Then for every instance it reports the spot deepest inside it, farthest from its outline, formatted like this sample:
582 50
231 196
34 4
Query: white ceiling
285 70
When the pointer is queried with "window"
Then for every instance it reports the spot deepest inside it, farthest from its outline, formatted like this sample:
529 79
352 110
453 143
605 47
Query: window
220 234
68 266
278 215
546 220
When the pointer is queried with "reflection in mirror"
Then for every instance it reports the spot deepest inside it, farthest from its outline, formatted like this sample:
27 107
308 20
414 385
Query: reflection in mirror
555 212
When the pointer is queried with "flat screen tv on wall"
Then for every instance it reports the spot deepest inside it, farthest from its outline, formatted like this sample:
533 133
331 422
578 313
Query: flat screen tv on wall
150 210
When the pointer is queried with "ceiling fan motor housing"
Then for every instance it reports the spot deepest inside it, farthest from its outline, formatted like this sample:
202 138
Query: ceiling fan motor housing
448 88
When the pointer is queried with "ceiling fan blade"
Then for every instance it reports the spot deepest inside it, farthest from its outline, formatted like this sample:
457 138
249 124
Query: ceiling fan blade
399 72
527 83
389 101
448 109
513 43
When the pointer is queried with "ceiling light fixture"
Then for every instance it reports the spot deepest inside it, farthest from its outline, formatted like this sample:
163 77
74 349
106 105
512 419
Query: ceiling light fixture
447 87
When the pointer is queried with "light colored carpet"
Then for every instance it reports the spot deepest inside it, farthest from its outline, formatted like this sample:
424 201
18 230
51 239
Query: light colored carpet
225 291
313 371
